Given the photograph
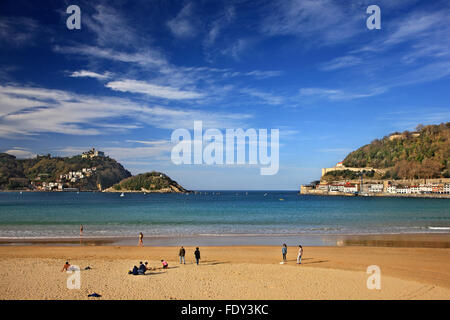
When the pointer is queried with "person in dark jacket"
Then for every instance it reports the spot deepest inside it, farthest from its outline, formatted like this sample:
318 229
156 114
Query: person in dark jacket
197 255
135 271
182 253
142 268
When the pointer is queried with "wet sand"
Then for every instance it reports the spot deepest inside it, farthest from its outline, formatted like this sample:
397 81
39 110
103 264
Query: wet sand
425 240
226 272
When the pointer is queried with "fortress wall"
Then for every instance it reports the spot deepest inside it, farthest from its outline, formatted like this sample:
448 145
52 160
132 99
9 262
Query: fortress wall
325 170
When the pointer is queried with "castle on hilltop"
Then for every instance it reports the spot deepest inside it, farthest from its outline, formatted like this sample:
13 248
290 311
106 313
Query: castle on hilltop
92 153
340 166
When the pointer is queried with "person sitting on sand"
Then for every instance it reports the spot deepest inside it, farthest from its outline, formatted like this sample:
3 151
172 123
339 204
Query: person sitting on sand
135 271
165 265
146 266
142 268
66 267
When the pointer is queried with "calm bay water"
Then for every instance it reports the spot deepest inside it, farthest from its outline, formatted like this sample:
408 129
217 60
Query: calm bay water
59 214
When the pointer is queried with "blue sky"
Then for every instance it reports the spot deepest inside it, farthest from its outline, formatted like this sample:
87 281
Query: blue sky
137 70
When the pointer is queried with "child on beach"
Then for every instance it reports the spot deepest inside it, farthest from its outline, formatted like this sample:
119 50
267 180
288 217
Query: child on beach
165 265
197 255
284 252
300 253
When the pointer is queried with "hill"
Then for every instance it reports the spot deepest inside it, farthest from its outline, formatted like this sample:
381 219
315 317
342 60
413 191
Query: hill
147 182
407 155
91 173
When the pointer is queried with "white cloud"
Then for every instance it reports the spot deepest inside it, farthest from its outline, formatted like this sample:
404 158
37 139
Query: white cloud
21 153
153 90
89 74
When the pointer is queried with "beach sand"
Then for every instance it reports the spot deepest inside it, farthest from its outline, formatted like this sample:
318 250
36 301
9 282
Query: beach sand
233 272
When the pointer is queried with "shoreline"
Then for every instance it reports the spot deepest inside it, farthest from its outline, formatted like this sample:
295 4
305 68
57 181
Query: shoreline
375 195
411 240
300 193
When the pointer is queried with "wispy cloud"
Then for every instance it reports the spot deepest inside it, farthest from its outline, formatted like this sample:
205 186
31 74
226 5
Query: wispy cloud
339 94
182 26
147 57
264 96
341 62
326 21
153 90
217 26
18 31
110 27
90 74
33 110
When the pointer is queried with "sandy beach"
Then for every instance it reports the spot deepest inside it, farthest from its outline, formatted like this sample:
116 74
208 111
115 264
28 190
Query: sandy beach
225 272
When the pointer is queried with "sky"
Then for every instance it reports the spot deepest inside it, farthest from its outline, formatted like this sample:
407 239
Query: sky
138 70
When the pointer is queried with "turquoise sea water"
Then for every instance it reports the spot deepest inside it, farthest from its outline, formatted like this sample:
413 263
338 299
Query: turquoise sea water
59 214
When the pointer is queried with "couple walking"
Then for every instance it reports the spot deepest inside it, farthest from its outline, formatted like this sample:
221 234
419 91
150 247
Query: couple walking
299 255
182 255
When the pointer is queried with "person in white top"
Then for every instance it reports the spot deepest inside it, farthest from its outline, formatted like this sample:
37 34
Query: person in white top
300 253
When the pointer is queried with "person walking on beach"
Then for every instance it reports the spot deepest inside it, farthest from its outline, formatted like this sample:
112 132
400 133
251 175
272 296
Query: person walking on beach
182 253
284 252
81 230
141 239
300 253
197 255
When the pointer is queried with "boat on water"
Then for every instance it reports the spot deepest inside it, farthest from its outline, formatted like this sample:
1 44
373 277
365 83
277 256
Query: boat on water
122 194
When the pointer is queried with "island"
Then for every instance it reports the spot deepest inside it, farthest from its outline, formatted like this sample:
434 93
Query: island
149 182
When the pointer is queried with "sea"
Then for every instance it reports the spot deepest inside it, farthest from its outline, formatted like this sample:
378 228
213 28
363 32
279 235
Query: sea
213 215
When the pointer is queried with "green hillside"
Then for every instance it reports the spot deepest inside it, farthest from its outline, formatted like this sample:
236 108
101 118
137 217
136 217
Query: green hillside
48 169
150 181
408 155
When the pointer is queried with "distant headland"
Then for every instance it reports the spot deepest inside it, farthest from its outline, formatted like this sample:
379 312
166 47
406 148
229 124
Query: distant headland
90 171
411 164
